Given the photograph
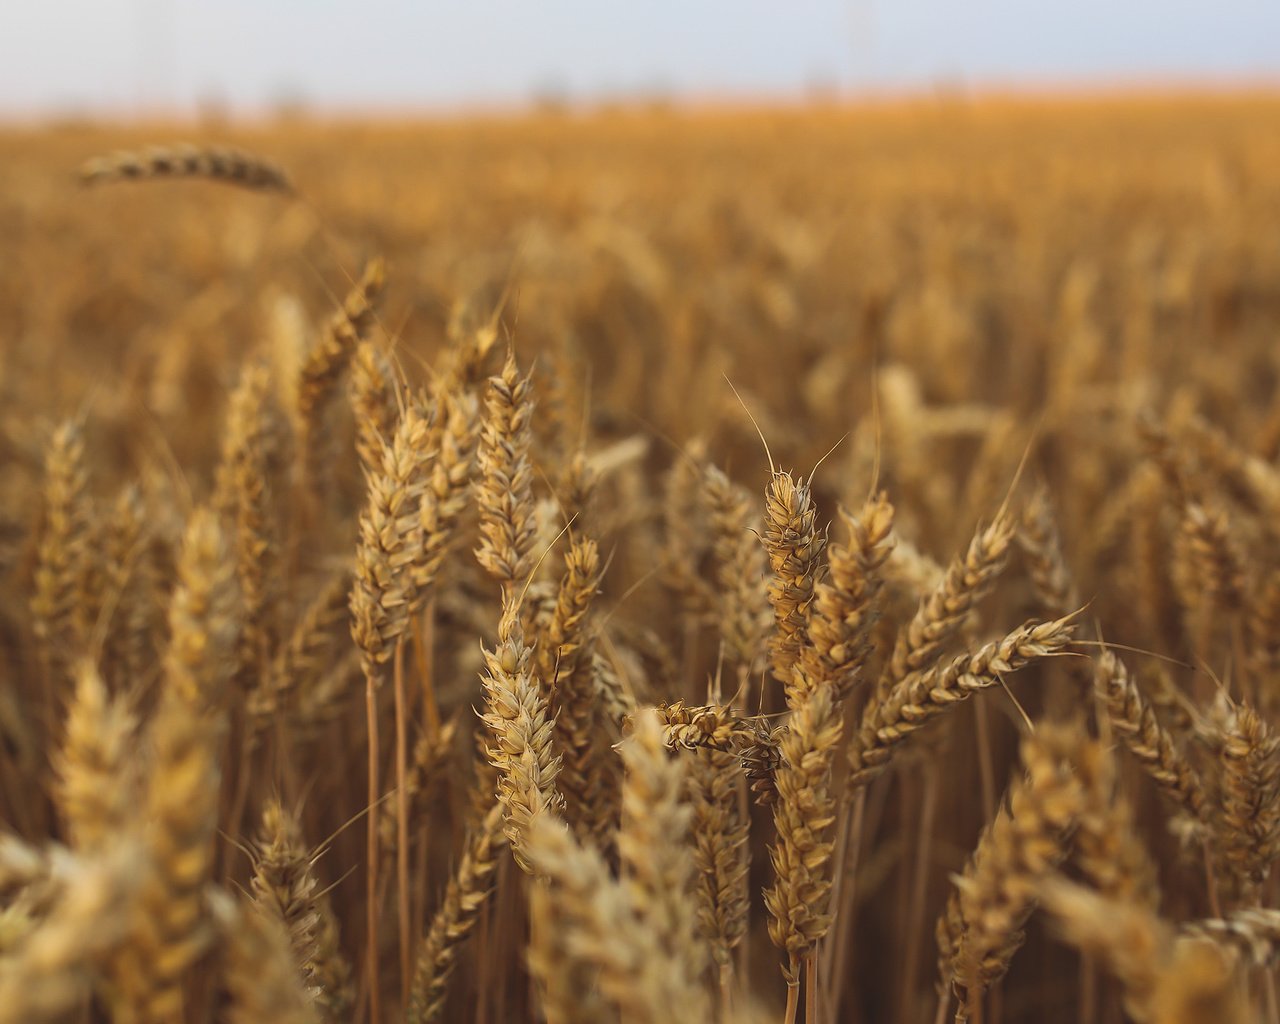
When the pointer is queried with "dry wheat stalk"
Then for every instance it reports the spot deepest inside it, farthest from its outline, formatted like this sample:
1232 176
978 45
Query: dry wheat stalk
741 604
921 698
51 972
844 606
948 606
1135 722
261 975
1166 979
520 740
464 898
245 463
1027 840
375 398
98 784
1107 844
712 726
324 366
657 868
63 558
685 515
565 672
803 814
720 851
584 923
285 886
795 547
390 534
299 661
432 757
1041 545
169 927
504 492
129 643
1249 827
448 488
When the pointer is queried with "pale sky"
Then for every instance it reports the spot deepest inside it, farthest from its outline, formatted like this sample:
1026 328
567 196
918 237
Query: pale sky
133 56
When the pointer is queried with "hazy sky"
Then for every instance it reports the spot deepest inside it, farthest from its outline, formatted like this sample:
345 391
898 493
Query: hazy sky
131 55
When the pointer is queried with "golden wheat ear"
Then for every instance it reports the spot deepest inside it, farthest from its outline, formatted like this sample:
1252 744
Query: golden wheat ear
210 163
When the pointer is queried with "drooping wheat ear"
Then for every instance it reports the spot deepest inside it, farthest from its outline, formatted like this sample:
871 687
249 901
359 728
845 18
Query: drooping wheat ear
325 364
708 727
942 614
794 547
50 973
260 974
214 163
390 541
1041 545
464 898
614 704
720 852
168 924
1019 849
448 487
802 815
564 667
657 868
844 605
520 745
63 553
1249 827
1107 844
741 604
301 661
1135 722
245 463
98 776
505 488
1254 933
432 757
374 401
285 886
1165 978
922 697
584 927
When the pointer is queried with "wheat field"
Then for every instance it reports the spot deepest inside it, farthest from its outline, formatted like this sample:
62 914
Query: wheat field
648 565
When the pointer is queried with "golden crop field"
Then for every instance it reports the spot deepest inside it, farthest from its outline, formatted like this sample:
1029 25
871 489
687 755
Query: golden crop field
644 565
